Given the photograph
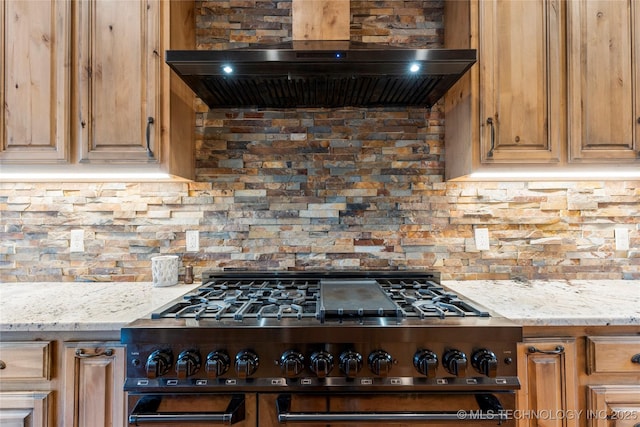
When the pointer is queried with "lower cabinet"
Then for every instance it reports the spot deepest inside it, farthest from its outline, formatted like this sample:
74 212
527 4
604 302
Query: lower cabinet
549 382
25 379
613 369
614 405
93 393
25 409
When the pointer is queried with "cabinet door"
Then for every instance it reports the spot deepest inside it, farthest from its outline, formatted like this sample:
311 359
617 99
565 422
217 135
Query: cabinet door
94 381
613 406
25 409
521 100
549 381
118 80
604 80
34 81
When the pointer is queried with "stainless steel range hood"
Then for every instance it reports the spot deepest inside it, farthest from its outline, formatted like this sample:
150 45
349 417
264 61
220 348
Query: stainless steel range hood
320 74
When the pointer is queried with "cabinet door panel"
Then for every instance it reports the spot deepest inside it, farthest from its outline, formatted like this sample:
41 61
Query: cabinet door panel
34 81
118 74
613 406
94 382
520 80
25 409
548 375
603 80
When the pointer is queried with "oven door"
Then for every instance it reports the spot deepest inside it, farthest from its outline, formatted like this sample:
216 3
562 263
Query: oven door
397 409
194 410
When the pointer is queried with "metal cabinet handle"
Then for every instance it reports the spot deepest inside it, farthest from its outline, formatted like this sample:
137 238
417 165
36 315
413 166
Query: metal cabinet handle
146 411
2 364
635 358
150 121
493 137
558 350
283 405
82 355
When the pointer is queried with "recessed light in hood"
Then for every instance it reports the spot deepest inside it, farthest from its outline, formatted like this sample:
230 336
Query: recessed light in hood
320 74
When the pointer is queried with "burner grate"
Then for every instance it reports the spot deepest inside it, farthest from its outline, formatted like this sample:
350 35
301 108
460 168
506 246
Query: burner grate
352 298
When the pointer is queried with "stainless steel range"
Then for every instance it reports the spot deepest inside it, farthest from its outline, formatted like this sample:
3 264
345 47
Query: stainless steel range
324 348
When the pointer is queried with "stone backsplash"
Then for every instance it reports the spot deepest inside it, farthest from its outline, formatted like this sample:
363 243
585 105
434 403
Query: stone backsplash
321 189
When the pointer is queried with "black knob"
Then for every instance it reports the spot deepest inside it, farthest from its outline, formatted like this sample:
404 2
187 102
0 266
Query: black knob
217 364
350 363
188 363
321 363
380 362
455 362
485 362
158 363
291 363
246 363
426 362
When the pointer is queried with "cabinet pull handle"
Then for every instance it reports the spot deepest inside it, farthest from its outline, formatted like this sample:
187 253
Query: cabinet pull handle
493 137
150 121
558 350
635 358
2 364
82 355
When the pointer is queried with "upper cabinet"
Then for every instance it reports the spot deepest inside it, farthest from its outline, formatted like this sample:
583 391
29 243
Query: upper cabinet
603 80
103 90
556 85
34 81
118 80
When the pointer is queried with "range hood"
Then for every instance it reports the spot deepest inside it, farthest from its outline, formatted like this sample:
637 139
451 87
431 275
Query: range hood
323 73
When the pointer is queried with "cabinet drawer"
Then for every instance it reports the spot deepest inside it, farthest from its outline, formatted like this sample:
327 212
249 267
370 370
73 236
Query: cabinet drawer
613 354
28 360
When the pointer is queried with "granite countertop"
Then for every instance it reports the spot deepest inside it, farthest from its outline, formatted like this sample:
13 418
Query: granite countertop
557 302
80 306
107 306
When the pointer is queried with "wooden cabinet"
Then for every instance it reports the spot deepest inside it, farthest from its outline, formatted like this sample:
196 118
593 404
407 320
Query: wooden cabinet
614 406
118 80
520 79
34 81
25 409
556 86
549 380
603 80
94 375
103 100
25 367
613 366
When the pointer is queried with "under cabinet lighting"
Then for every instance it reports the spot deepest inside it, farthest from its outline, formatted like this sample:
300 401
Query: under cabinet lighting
414 68
602 174
85 176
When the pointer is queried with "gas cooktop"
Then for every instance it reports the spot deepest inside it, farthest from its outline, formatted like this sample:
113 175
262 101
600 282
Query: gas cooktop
320 296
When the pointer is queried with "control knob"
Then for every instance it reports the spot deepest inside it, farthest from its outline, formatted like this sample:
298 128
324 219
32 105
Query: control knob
217 364
485 362
380 362
426 362
455 362
291 363
321 363
158 363
350 363
246 363
188 363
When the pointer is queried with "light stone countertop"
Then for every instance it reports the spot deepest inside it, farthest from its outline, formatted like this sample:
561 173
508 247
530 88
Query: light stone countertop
80 306
556 302
107 306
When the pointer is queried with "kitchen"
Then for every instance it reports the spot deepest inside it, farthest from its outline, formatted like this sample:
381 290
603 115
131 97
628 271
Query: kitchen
344 189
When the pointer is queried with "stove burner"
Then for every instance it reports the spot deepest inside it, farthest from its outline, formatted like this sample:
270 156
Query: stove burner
239 299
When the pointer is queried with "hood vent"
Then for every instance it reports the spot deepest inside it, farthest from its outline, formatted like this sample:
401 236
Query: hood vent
320 74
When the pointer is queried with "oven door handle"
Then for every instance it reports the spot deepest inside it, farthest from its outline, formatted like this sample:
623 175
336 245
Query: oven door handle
146 411
493 413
